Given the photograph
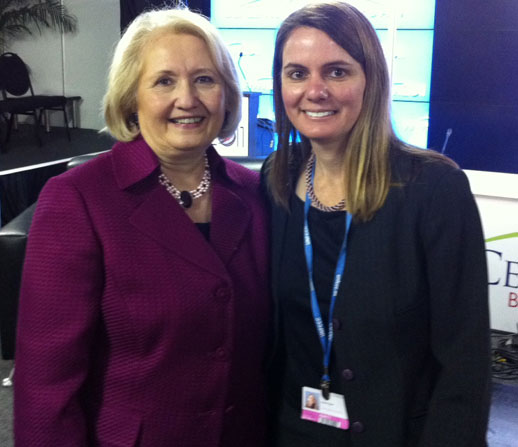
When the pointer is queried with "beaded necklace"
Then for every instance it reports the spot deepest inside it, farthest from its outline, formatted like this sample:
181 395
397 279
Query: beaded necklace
185 198
340 206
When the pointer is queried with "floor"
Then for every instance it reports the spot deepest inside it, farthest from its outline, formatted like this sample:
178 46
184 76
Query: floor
6 405
503 423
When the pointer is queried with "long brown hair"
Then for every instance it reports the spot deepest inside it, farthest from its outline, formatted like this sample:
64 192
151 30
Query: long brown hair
366 170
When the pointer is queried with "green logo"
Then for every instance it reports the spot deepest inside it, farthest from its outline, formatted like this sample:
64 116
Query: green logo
502 236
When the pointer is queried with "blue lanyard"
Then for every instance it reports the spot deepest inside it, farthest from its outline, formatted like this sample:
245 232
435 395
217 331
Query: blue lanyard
325 340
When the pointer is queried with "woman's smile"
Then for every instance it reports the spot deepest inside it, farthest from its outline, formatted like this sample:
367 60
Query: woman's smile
320 114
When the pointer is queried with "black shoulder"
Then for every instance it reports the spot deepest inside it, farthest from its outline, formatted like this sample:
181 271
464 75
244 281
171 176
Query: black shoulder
240 174
410 164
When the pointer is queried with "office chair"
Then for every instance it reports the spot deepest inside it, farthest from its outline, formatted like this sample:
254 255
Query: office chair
19 98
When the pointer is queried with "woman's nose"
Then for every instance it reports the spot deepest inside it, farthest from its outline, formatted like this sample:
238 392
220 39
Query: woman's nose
317 89
186 95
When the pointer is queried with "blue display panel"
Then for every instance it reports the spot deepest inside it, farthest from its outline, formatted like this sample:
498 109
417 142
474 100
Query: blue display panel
266 107
408 14
415 14
410 121
412 65
405 30
250 13
270 13
252 52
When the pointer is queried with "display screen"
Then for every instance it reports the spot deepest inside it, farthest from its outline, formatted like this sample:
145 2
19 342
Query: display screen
409 14
405 30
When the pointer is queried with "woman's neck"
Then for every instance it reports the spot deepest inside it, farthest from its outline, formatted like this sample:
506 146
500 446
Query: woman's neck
328 183
184 172
329 161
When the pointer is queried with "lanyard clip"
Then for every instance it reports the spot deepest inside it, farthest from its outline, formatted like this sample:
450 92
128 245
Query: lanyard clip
325 385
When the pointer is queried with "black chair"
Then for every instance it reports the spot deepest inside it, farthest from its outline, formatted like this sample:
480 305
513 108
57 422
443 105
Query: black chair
19 98
13 239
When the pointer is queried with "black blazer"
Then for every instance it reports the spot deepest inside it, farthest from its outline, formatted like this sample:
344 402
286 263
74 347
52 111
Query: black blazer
413 333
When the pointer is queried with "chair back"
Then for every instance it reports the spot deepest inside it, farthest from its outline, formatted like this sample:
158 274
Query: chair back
14 75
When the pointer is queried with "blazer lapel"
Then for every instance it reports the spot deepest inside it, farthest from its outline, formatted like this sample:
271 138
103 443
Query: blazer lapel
231 216
163 220
279 220
157 214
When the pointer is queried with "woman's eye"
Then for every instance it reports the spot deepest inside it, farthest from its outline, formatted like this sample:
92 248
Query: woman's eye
164 81
205 79
338 73
296 75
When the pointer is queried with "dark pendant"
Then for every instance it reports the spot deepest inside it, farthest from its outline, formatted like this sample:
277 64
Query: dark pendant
325 385
186 199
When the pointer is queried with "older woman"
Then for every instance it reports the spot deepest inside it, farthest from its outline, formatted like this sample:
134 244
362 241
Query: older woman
379 273
144 300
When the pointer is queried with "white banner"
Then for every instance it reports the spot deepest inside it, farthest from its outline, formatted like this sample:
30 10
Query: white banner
497 199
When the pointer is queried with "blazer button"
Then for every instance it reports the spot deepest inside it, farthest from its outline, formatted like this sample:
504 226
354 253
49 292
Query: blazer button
347 374
357 427
337 324
222 293
221 353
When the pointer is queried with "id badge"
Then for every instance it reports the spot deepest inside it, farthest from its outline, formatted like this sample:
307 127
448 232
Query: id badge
330 412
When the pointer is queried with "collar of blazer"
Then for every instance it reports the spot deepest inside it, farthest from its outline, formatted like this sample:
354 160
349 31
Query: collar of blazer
135 160
162 219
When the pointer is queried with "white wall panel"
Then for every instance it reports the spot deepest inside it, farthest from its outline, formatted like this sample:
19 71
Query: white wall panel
78 65
42 53
88 53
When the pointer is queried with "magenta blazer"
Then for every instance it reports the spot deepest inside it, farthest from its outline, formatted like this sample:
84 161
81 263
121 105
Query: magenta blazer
134 330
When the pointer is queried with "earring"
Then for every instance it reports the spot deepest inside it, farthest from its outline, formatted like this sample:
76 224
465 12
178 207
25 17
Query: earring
229 141
134 119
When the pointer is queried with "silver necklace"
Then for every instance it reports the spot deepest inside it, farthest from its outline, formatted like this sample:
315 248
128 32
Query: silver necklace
340 206
185 198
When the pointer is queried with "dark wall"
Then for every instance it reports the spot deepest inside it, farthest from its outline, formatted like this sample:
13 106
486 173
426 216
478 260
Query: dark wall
474 88
132 8
202 6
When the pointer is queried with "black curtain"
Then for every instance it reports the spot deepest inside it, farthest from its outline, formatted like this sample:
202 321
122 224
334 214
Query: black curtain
132 8
21 189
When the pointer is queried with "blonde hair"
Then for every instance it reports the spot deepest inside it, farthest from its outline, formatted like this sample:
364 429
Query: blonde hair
367 173
120 102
